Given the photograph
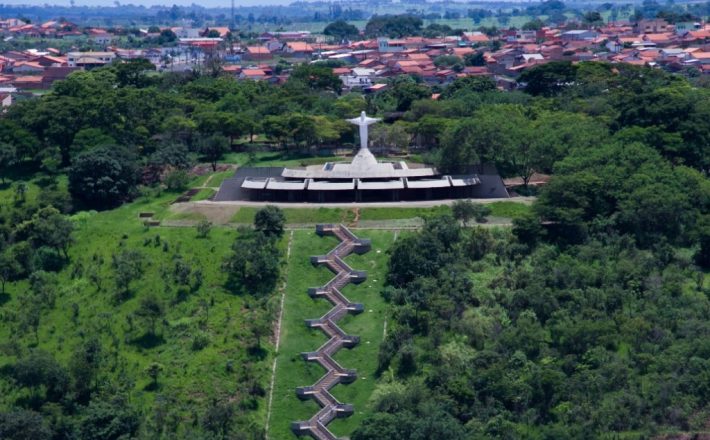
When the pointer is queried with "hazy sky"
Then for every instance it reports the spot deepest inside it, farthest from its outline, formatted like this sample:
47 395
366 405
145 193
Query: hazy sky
206 3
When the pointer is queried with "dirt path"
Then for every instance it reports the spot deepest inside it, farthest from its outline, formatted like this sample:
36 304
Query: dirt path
277 338
217 214
356 219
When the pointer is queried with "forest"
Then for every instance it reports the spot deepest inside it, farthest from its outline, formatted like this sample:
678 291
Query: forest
584 319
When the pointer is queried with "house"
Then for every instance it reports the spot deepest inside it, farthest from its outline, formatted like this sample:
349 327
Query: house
660 39
682 28
186 32
674 54
462 51
252 74
5 100
49 60
28 82
89 60
385 45
532 57
100 36
701 57
257 53
298 49
222 31
287 36
579 35
375 88
273 45
359 77
475 37
27 67
520 36
651 26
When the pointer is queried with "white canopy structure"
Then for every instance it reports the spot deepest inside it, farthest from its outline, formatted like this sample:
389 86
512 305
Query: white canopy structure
364 175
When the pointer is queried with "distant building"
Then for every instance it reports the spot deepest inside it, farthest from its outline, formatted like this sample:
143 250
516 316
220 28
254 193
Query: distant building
475 37
185 32
683 28
651 26
89 60
252 74
385 45
100 36
298 49
359 77
579 35
5 100
257 53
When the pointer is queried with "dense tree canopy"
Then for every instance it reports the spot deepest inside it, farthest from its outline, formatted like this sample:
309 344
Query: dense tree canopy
341 30
393 26
103 177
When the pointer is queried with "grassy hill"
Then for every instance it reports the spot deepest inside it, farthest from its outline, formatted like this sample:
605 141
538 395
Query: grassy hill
202 340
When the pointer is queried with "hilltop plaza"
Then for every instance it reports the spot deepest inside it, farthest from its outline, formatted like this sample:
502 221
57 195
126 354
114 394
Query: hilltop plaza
364 179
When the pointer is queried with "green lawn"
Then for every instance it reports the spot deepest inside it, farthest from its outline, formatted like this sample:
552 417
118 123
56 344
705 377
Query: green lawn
204 194
300 215
292 371
508 210
276 159
218 178
401 213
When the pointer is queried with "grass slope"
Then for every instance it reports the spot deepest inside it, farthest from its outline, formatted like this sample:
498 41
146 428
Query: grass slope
506 210
191 378
291 370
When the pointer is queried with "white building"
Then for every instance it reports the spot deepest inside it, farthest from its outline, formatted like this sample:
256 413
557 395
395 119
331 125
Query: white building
359 77
90 59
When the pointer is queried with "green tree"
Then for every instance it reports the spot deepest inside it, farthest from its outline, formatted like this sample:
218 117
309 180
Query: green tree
150 309
270 220
8 157
341 30
316 77
203 228
22 424
153 371
10 268
84 367
463 211
132 73
128 266
393 26
108 420
549 79
253 264
88 138
49 227
40 371
213 149
103 177
468 84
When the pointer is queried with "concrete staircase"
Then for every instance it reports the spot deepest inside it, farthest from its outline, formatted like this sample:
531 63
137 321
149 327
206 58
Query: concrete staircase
335 374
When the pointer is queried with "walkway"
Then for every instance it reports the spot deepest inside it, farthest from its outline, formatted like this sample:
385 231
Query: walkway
402 204
335 374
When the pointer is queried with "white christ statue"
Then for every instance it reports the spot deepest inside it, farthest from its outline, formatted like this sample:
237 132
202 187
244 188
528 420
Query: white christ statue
363 121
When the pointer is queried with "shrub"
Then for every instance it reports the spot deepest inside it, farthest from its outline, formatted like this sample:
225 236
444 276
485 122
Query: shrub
200 341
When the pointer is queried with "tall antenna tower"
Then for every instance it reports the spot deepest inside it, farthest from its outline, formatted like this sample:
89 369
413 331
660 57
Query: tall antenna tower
232 18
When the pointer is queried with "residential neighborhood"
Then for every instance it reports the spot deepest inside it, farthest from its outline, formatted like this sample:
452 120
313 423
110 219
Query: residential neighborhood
361 63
